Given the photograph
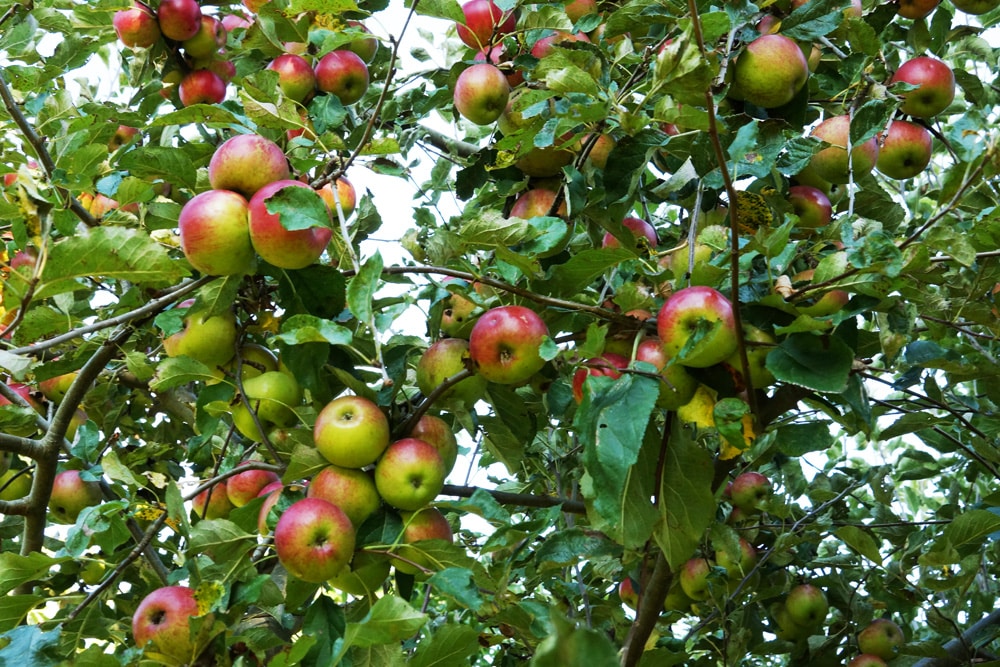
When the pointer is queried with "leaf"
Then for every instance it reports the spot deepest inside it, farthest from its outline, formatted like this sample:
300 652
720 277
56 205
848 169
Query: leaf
361 289
971 528
814 19
821 363
222 539
870 119
207 114
324 621
159 162
490 229
390 620
317 290
457 583
300 329
571 645
568 547
298 208
176 371
801 439
575 275
18 420
442 9
450 645
16 569
861 541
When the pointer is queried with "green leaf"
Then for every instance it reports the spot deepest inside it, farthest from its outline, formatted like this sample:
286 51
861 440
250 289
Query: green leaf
361 289
333 7
572 645
176 371
18 420
861 541
299 208
449 646
814 19
16 569
573 277
457 583
870 119
442 9
489 229
801 439
160 162
569 547
317 290
221 539
207 114
971 529
324 621
821 363
28 644
300 329
390 620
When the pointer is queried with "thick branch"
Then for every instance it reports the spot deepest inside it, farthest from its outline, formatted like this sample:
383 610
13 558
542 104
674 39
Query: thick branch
962 650
447 144
522 499
650 608
21 446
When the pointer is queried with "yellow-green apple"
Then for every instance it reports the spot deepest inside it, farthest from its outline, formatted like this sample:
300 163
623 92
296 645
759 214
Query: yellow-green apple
833 163
759 345
905 151
677 387
179 19
916 9
247 485
364 574
828 303
256 360
642 233
677 599
608 364
344 74
296 77
679 263
628 594
137 26
410 474
867 660
7 457
536 203
543 46
15 484
202 86
481 93
163 620
936 86
694 578
215 233
71 494
284 248
737 565
505 344
212 503
427 523
545 162
787 629
485 24
346 193
435 431
975 7
770 71
211 37
314 540
882 638
456 317
351 432
246 163
209 339
577 9
696 327
365 47
750 491
350 489
55 388
807 606
273 395
811 205
271 495
442 360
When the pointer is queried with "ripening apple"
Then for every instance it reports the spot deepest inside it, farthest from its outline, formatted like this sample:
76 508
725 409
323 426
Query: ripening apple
410 474
787 629
497 55
936 86
351 431
833 163
696 326
750 491
677 387
435 431
642 233
137 27
577 9
223 68
55 388
365 47
600 151
485 24
905 151
284 248
71 494
882 638
211 37
543 46
247 485
811 205
427 523
916 9
215 233
537 203
350 489
505 344
807 606
456 316
442 360
975 7
867 660
273 396
346 194
481 93
608 364
179 19
247 162
770 71
344 74
212 503
271 495
694 579
208 339
314 540
163 620
738 565
15 484
296 77
628 593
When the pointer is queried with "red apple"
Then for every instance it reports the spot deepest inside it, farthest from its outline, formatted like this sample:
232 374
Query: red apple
485 24
811 205
905 151
179 19
833 163
163 619
211 37
223 68
410 474
296 77
271 494
71 494
435 431
344 74
505 344
677 387
750 491
202 86
642 232
536 203
215 233
608 364
246 163
122 136
351 431
212 503
247 485
481 93
424 524
210 340
137 27
694 579
346 193
882 638
867 660
314 540
286 249
696 326
936 90
543 47
442 360
350 489
770 71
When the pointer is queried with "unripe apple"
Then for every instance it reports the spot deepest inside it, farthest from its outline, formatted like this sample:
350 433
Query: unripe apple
15 484
344 74
701 310
442 360
435 431
273 396
296 77
215 233
55 388
976 7
350 489
211 37
833 163
577 9
256 360
365 47
481 93
71 494
245 163
247 485
485 24
163 619
882 638
314 540
286 249
137 27
770 71
608 364
807 606
346 193
351 431
456 316
427 523
179 19
210 340
505 344
410 474
906 150
936 90
212 503
750 491
677 387
811 205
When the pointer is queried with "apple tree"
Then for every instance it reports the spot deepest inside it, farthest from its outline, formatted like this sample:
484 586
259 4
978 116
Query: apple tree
665 334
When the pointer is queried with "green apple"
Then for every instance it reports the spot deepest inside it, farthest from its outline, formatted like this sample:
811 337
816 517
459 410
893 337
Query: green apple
737 565
807 606
694 579
208 339
15 484
882 638
770 71
273 395
444 359
677 386
351 432
410 474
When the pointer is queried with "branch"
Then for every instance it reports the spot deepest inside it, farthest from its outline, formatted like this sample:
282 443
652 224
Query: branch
404 429
21 446
522 499
650 608
447 144
963 649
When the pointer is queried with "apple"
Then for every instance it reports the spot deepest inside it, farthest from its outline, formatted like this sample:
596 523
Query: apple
905 150
215 233
749 491
346 193
71 494
410 474
760 344
296 77
543 46
833 163
807 606
271 495
351 432
273 395
481 93
642 232
365 47
456 317
255 5
608 364
786 628
257 360
485 24
442 360
137 27
867 660
435 431
975 7
677 387
364 575
285 249
679 263
245 163
600 151
677 599
936 90
427 523
202 86
811 205
628 593
916 9
210 340
55 388
212 503
344 74
537 203
211 37
505 344
247 485
696 326
770 71
163 619
738 565
577 9
694 579
233 22
15 484
350 489
314 540
882 638
123 135
179 19
497 55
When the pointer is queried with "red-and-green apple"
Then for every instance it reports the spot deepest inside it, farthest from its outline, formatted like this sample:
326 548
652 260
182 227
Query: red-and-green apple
273 395
867 660
936 86
916 9
485 24
247 485
786 628
246 163
427 523
296 77
608 364
122 136
456 317
505 344
444 359
642 233
600 151
271 495
543 46
738 565
55 388
696 327
750 491
481 93
346 193
365 47
350 489
811 205
314 540
286 249
628 593
807 606
435 431
215 233
163 620
833 163
137 27
179 19
694 579
71 494
344 74
497 55
351 432
210 340
536 203
906 150
410 474
577 9
770 71
212 503
882 638
677 387
211 37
